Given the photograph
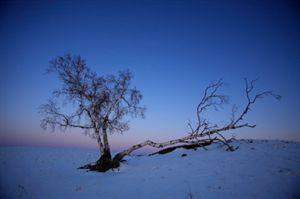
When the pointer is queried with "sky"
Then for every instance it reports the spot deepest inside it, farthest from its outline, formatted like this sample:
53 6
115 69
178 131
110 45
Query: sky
174 50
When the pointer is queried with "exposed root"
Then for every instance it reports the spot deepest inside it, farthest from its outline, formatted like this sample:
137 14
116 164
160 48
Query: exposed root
100 166
104 164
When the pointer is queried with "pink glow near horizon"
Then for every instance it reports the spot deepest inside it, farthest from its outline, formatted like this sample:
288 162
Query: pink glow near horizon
60 139
78 140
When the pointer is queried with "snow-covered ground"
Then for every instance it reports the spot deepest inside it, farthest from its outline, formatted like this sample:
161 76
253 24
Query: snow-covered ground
258 169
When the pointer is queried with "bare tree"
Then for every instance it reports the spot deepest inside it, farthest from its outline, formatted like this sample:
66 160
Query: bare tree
100 102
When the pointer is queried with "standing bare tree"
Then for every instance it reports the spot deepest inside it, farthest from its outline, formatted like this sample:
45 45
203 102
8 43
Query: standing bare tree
100 103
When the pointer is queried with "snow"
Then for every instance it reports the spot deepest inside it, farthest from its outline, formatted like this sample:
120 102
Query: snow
258 169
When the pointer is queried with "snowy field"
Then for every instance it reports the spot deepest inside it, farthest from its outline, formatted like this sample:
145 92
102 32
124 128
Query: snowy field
258 169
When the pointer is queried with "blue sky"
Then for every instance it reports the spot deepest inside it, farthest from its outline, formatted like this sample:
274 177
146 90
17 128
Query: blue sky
173 48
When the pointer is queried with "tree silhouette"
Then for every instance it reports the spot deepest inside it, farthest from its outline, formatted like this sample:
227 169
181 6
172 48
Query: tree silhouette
100 103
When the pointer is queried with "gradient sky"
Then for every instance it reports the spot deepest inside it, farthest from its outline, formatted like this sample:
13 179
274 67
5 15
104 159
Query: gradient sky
173 48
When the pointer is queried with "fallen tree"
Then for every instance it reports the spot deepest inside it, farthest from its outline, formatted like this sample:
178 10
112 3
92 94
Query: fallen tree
203 134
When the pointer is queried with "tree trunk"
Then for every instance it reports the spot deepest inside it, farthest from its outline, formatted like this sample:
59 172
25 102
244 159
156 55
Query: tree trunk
105 161
106 151
99 141
106 155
